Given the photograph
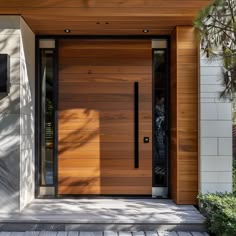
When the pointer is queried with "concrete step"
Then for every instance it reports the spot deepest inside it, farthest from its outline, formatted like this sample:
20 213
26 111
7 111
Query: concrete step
105 233
103 215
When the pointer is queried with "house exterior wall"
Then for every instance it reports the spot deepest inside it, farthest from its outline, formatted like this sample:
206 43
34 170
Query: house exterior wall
10 117
27 111
215 131
16 116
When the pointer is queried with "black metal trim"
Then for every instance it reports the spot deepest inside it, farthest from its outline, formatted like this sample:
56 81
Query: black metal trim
153 115
167 111
39 80
37 121
37 98
4 74
136 125
56 92
38 92
48 185
168 76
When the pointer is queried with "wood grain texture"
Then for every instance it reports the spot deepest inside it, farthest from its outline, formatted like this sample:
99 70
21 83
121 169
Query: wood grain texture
184 107
103 17
102 3
96 116
106 190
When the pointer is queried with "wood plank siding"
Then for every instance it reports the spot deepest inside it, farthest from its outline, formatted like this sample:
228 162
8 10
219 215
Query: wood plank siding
184 113
96 116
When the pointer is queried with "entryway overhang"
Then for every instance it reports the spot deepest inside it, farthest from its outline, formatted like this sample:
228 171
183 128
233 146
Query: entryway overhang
103 17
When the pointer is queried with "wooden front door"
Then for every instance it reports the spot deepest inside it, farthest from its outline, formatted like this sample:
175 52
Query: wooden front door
96 117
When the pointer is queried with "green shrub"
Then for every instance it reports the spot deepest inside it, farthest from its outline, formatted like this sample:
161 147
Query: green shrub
234 176
220 212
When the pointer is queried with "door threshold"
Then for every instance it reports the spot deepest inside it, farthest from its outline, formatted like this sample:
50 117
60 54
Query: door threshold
95 196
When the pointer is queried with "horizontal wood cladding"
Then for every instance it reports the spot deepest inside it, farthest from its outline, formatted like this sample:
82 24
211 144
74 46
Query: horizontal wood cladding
103 17
94 61
96 116
105 78
94 69
92 97
104 190
101 32
123 163
88 172
142 53
105 89
107 138
104 181
104 11
184 107
100 147
85 153
101 3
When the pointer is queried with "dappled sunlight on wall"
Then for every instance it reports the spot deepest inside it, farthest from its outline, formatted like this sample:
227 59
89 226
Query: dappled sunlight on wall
10 117
27 94
79 151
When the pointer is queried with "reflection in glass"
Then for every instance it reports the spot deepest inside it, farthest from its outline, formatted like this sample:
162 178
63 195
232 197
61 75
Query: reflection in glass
47 116
160 162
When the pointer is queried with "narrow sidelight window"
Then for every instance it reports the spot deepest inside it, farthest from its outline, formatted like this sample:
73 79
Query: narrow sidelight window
47 116
160 122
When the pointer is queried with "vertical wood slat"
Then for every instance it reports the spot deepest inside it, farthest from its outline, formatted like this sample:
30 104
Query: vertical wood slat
184 110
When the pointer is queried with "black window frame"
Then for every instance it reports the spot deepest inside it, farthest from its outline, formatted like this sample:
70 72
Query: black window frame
38 121
167 112
56 72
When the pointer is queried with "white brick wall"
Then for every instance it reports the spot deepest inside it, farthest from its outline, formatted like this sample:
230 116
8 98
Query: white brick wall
215 131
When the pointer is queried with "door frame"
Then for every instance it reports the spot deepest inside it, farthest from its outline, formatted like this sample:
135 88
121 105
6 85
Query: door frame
55 91
157 189
38 126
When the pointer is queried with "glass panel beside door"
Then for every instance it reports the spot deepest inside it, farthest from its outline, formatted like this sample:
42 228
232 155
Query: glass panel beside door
47 118
46 111
160 121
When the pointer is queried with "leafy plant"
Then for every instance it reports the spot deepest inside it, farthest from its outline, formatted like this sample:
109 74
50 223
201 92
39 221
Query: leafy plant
220 212
217 29
234 177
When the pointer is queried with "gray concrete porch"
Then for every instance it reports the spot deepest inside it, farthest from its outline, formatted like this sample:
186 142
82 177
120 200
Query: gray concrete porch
105 233
104 214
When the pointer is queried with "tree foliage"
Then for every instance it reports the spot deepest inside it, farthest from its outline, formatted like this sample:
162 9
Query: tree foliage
217 27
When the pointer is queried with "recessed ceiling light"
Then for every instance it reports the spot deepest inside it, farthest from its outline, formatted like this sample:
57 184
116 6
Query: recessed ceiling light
67 30
145 31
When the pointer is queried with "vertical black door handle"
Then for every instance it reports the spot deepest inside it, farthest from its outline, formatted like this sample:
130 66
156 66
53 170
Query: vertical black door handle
136 125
